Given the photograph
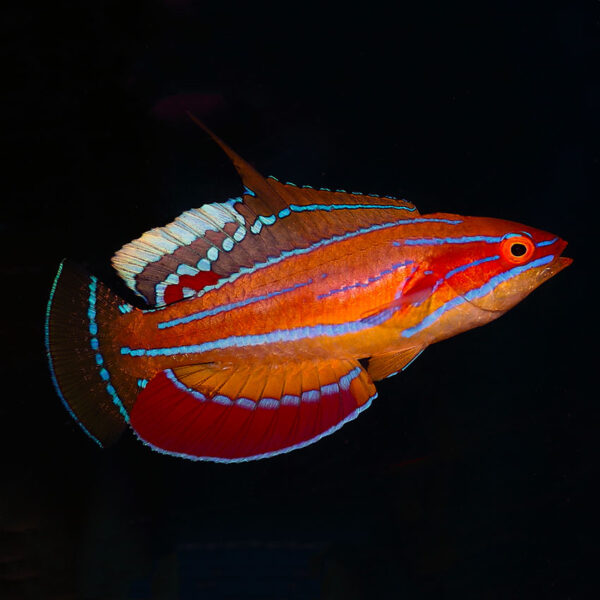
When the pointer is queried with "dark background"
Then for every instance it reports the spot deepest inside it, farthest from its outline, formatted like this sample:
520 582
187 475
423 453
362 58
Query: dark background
470 476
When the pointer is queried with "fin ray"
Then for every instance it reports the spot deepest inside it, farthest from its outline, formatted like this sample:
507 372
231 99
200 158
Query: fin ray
204 245
271 409
385 365
84 369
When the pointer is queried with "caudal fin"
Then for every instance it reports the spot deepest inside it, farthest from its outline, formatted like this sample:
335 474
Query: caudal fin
83 366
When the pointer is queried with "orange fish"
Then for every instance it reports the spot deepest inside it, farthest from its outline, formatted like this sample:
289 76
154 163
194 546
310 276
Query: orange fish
272 314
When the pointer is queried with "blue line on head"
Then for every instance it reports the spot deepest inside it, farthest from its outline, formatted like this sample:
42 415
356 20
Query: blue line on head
546 242
469 265
474 294
448 240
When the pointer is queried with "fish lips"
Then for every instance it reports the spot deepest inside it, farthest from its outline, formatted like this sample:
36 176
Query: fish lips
558 264
510 292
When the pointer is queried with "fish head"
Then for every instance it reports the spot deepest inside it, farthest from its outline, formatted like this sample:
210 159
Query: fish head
503 264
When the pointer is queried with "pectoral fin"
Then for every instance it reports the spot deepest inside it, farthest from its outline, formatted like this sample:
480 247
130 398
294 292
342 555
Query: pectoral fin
418 287
386 365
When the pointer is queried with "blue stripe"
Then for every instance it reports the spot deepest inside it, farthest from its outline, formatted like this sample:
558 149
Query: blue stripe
469 265
369 281
474 294
305 396
93 328
547 242
228 307
456 270
236 341
51 363
449 240
320 244
329 207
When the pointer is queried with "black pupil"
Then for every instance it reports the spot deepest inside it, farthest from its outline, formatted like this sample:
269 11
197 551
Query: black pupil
518 249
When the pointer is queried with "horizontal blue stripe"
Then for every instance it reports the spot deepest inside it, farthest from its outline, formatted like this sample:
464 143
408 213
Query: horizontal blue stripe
474 294
329 207
239 341
449 240
547 242
320 244
469 265
454 271
369 281
228 307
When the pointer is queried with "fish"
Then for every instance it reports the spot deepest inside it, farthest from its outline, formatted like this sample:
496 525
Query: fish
270 316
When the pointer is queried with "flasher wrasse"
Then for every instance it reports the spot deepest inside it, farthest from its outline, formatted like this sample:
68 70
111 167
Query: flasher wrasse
271 315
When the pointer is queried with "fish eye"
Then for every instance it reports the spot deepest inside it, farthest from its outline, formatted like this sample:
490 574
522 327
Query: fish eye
517 248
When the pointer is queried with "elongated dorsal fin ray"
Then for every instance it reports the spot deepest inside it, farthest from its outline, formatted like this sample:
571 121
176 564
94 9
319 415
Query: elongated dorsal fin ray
268 201
204 246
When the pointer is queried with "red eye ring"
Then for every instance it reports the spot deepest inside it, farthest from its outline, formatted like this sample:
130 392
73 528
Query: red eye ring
517 249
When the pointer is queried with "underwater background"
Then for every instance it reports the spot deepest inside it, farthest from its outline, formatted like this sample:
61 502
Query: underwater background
470 476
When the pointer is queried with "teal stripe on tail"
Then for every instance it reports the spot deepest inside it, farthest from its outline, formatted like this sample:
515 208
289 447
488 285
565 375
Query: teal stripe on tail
84 367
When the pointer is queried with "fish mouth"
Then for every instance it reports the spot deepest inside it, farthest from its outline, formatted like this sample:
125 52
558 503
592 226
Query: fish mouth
511 291
539 275
549 271
558 264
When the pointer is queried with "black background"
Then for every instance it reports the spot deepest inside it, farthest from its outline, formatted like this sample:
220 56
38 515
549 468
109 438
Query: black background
470 476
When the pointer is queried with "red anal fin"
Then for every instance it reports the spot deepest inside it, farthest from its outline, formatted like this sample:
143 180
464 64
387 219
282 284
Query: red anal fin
248 413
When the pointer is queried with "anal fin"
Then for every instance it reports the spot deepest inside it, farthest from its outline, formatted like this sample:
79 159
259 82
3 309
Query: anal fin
233 413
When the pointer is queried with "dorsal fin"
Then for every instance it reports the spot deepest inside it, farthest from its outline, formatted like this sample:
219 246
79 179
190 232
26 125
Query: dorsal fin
205 245
267 200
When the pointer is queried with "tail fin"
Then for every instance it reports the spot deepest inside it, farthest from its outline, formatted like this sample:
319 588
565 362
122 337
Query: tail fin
83 366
